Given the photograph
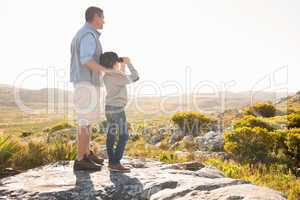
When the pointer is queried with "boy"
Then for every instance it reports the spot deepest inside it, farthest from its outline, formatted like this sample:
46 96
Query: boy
116 98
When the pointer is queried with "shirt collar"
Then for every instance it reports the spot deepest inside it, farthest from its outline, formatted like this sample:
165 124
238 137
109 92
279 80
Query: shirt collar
88 25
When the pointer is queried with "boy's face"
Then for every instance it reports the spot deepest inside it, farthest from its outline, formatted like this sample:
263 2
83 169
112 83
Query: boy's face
116 66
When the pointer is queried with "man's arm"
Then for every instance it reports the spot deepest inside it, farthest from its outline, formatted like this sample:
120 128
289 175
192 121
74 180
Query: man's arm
94 66
87 51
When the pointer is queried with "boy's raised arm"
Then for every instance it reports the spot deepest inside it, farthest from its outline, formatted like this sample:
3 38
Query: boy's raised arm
134 75
124 79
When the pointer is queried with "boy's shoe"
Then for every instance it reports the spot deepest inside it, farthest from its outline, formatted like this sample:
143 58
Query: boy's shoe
94 158
118 168
86 164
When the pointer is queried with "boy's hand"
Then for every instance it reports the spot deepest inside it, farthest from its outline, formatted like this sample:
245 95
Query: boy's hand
122 66
126 60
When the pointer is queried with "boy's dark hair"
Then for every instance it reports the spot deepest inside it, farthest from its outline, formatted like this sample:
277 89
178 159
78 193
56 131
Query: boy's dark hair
91 12
109 59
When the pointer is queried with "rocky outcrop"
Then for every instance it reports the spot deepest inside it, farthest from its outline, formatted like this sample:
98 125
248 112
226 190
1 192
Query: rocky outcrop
176 136
211 141
147 180
156 139
152 136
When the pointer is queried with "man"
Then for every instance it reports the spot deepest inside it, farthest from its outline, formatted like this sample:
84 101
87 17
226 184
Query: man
85 73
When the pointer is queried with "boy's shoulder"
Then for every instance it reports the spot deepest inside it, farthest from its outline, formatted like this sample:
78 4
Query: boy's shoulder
114 75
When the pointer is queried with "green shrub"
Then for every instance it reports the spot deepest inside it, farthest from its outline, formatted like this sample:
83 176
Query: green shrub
293 120
248 111
290 111
26 133
34 154
261 109
60 126
8 147
192 122
275 176
280 138
252 121
247 144
287 147
293 143
168 157
62 151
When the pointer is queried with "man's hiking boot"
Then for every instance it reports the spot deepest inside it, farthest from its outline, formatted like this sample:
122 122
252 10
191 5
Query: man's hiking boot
86 164
96 159
118 168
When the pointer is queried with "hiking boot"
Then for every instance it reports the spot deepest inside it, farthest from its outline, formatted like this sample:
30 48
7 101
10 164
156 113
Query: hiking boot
86 164
109 165
94 158
119 168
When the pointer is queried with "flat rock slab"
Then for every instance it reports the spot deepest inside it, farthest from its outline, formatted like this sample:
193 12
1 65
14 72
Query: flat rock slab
151 180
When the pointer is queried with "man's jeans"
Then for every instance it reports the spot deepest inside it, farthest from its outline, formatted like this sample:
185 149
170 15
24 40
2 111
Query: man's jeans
116 127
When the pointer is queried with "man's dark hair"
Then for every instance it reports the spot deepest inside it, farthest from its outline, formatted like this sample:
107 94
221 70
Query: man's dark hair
109 59
91 12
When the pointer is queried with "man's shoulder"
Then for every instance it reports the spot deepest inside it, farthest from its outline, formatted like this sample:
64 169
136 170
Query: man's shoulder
84 32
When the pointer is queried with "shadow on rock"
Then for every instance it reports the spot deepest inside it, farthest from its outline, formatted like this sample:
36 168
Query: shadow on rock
125 187
84 189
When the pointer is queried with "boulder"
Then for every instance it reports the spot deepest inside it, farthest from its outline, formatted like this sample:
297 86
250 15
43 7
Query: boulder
211 141
177 135
188 138
162 131
221 154
181 153
151 180
155 138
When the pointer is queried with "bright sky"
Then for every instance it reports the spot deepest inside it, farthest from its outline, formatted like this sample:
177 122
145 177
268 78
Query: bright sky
219 40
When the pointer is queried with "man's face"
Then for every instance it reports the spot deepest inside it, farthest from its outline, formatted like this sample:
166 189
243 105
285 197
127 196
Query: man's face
98 21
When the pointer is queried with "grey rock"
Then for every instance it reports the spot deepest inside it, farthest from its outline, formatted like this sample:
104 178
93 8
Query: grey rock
146 131
188 138
211 141
177 135
221 154
186 166
162 131
156 138
181 153
210 172
138 163
250 191
154 181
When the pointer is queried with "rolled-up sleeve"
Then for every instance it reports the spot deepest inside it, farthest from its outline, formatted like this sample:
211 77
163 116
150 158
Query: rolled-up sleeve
87 48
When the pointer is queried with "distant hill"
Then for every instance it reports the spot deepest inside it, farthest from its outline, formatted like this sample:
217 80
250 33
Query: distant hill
202 101
31 97
291 102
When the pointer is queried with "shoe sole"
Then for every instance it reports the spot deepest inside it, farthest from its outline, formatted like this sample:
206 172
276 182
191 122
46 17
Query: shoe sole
86 169
117 170
98 163
92 170
101 164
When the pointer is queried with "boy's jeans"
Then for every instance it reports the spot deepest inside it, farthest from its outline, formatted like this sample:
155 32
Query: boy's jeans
116 127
